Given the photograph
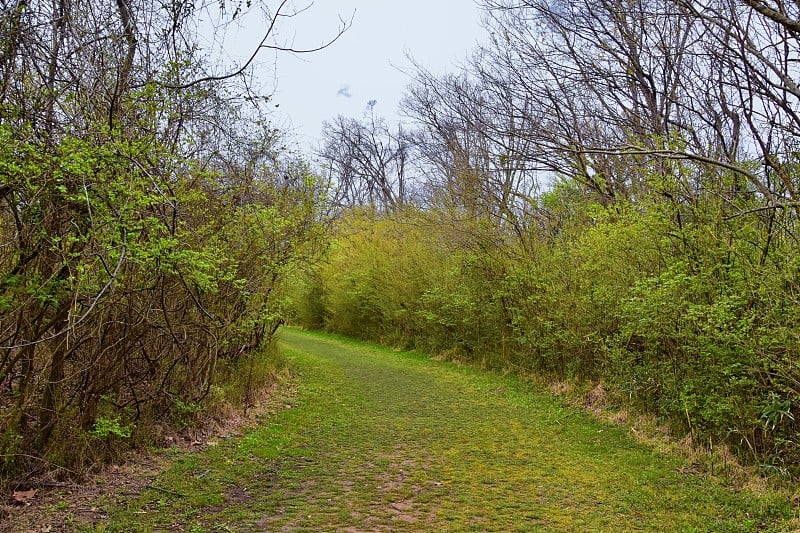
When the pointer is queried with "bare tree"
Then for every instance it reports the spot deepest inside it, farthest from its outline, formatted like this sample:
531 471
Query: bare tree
594 74
469 140
368 162
756 47
648 82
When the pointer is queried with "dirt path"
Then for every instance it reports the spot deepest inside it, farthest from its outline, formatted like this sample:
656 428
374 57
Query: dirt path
377 440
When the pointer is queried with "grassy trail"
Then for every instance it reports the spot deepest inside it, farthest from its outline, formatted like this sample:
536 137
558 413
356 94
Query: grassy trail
378 440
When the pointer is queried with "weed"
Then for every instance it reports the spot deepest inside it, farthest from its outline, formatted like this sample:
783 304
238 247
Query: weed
107 427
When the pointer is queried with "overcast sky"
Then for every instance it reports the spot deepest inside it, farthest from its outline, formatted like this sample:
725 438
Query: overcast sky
366 63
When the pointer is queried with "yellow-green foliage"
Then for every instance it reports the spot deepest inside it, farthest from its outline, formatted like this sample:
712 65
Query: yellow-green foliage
378 267
678 309
568 298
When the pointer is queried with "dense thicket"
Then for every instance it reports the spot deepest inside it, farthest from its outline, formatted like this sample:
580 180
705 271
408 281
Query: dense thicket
609 194
148 216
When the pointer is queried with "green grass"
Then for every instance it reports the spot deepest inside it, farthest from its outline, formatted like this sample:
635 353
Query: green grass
378 440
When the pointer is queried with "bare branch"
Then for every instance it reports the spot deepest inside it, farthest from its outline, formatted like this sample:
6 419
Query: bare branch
262 45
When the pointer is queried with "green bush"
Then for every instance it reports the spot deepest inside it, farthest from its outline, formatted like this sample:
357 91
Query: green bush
679 310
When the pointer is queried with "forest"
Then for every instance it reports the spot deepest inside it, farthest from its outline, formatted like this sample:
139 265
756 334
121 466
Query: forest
604 193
